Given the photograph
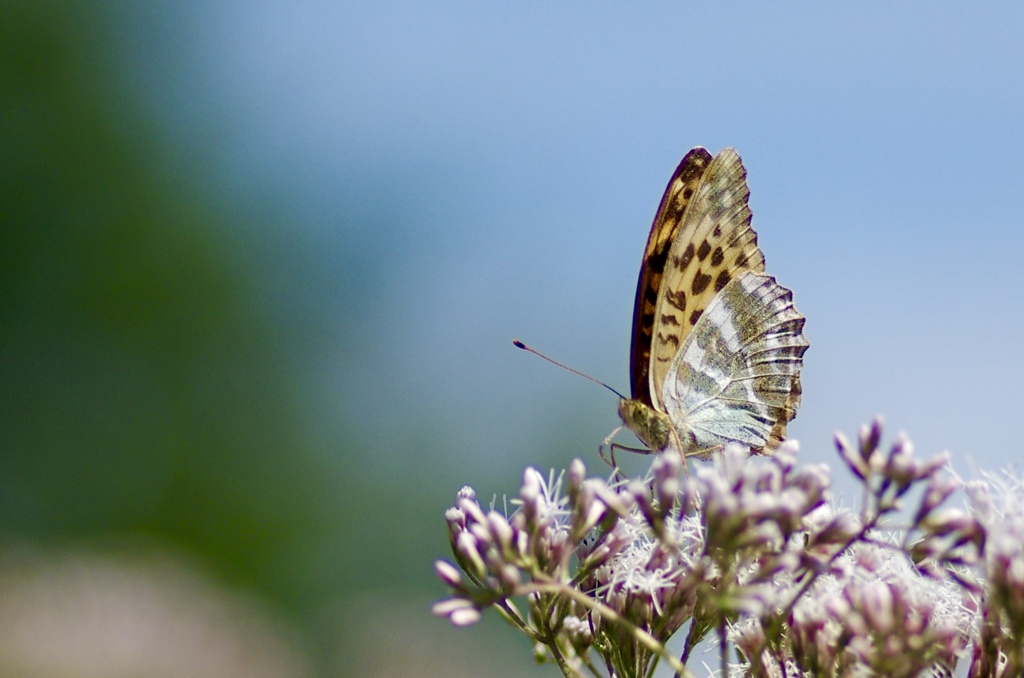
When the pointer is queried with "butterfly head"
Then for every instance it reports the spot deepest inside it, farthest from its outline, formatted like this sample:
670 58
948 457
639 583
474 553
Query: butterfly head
653 428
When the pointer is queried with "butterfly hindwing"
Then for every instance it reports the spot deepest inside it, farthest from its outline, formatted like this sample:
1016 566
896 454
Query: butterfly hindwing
738 376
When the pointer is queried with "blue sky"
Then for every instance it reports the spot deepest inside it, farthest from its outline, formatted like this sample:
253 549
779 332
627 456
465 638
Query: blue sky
494 168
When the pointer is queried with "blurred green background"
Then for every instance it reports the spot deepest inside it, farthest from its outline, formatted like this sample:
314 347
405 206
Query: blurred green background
155 416
261 264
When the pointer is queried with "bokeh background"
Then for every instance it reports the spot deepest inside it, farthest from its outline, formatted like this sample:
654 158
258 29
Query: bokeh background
262 263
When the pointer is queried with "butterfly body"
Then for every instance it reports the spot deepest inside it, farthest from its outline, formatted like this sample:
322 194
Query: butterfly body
717 345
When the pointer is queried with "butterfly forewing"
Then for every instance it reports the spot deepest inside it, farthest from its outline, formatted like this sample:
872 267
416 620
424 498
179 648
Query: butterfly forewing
713 244
737 378
671 213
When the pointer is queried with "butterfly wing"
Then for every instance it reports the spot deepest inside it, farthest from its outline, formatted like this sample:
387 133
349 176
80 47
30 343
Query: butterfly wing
671 213
737 377
712 243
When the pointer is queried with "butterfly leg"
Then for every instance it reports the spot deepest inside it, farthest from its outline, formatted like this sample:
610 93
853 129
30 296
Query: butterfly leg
610 446
607 442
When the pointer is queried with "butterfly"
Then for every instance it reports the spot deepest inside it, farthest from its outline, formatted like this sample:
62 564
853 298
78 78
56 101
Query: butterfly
717 345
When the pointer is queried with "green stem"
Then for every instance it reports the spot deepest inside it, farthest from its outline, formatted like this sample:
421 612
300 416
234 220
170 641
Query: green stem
610 615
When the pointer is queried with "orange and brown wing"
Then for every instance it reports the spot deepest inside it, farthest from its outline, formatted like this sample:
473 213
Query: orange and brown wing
671 212
711 243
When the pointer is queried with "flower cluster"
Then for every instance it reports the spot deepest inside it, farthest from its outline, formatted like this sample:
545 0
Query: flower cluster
998 506
751 551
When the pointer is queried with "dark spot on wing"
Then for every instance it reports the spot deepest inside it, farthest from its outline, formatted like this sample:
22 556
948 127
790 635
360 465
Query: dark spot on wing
717 257
656 262
676 298
700 282
704 250
722 280
667 319
685 258
695 316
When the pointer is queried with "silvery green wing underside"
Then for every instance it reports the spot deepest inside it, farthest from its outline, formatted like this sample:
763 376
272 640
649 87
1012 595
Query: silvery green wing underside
737 377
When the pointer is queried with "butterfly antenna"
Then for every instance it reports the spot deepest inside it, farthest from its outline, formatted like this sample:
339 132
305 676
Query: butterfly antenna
519 344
